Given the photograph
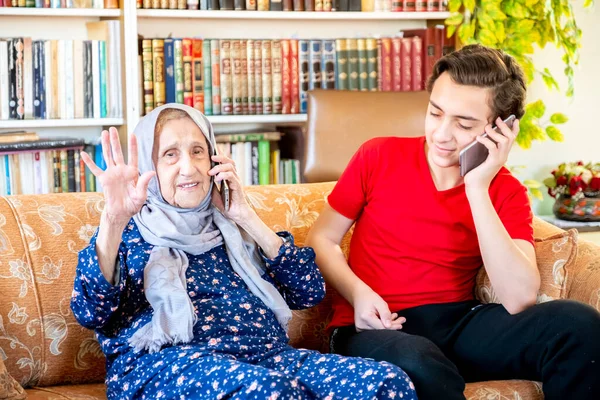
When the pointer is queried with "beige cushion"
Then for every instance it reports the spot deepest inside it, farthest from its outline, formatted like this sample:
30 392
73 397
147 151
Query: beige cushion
9 388
555 257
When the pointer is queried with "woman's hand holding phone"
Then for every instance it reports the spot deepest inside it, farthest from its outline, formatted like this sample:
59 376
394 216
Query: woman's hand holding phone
498 145
231 188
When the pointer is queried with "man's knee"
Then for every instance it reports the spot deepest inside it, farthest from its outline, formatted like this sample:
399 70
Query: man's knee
575 319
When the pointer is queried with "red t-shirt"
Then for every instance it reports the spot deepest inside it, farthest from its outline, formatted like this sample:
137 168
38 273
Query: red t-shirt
413 244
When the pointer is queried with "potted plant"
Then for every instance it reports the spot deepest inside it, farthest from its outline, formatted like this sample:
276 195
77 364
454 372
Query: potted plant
576 188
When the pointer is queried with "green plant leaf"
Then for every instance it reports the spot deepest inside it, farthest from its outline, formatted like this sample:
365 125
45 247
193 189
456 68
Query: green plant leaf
485 21
514 9
531 3
554 133
549 79
550 182
525 26
454 19
537 193
451 29
487 38
588 3
469 5
454 5
500 33
531 183
496 14
537 108
558 118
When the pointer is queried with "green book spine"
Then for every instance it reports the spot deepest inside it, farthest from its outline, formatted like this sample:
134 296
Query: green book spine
103 90
64 171
264 155
372 64
207 77
352 48
363 81
342 64
178 52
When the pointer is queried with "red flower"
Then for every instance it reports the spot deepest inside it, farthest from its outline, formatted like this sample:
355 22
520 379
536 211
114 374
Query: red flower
551 193
595 183
553 172
580 163
577 184
561 180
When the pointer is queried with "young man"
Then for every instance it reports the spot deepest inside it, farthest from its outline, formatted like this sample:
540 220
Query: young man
421 234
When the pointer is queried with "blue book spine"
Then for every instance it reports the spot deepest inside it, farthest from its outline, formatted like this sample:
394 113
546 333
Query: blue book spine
328 73
37 77
103 91
169 71
304 72
315 67
7 174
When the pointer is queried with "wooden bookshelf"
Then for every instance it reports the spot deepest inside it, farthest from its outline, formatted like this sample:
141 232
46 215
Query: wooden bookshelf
257 119
58 12
60 123
292 15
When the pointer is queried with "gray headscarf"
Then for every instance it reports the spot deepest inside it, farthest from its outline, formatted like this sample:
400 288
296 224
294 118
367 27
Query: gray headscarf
176 231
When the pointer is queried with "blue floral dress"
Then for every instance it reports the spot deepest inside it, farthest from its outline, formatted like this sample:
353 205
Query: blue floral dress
239 350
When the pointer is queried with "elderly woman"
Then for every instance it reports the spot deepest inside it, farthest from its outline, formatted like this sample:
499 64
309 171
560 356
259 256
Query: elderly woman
191 300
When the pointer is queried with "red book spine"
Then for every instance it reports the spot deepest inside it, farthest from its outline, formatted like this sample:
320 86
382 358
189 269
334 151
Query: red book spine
396 64
198 75
433 5
409 5
188 85
285 77
294 78
386 64
416 54
406 64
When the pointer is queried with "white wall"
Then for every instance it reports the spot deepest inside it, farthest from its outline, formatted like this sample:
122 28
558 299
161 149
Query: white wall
582 132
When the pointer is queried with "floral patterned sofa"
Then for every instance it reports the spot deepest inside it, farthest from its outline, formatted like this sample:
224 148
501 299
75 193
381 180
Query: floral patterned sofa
44 349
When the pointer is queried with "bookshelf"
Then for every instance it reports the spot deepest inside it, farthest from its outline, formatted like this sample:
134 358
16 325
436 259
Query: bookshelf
297 16
58 12
155 23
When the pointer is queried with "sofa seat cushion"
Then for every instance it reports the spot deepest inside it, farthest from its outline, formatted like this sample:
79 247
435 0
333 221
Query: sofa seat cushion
90 391
504 390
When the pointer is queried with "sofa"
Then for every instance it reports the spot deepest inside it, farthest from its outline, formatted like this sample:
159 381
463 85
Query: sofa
53 357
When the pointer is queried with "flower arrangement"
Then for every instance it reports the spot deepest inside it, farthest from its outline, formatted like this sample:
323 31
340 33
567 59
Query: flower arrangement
574 180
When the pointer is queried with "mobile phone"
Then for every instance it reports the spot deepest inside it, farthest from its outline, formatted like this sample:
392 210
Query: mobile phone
476 153
224 189
225 194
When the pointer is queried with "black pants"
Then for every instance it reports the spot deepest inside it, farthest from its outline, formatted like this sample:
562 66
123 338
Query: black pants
442 346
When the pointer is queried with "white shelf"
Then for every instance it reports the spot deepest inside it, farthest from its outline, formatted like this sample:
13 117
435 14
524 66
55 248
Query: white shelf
59 123
257 119
292 15
58 12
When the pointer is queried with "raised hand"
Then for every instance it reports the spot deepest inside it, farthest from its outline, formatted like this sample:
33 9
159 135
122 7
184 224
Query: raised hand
125 192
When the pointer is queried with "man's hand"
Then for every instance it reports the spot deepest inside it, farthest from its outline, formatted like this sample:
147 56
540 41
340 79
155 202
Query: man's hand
372 312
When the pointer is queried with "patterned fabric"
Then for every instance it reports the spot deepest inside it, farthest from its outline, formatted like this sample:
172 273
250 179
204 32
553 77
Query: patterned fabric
40 236
555 256
9 388
238 347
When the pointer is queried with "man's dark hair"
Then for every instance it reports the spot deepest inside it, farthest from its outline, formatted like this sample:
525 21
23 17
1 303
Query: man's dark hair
477 65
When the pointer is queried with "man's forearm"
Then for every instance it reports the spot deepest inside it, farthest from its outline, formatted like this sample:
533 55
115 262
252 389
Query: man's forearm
335 268
514 277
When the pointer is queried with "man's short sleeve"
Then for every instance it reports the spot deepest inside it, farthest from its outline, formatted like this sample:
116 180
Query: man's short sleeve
515 214
349 196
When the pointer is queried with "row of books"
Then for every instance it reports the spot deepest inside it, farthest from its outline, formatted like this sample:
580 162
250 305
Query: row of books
60 3
258 158
239 77
62 79
299 5
33 165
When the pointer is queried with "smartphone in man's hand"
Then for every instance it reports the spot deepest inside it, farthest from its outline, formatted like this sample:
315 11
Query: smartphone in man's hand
476 153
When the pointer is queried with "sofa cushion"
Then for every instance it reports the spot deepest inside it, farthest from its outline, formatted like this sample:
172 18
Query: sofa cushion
499 390
39 240
9 388
91 391
555 256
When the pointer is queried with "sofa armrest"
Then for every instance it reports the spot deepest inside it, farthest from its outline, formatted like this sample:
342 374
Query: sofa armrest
584 282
